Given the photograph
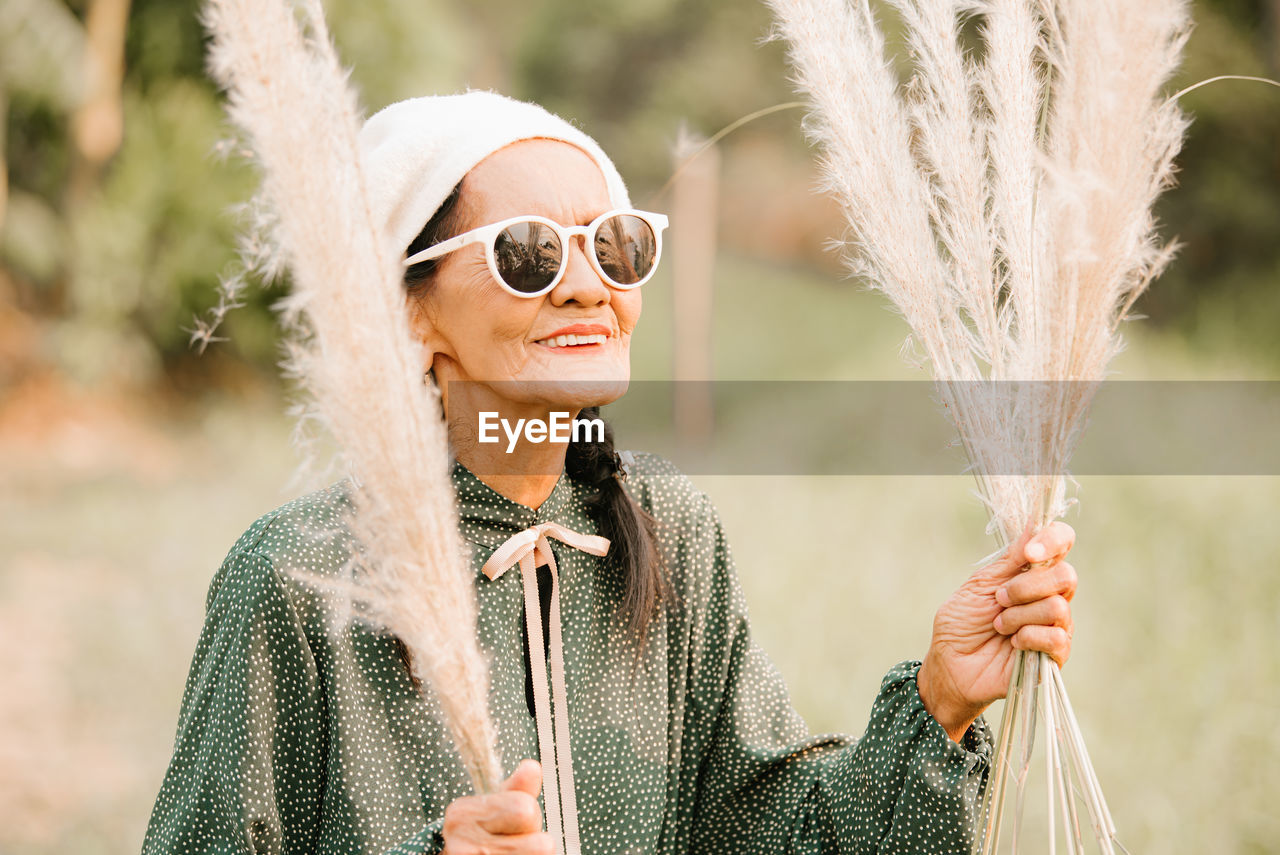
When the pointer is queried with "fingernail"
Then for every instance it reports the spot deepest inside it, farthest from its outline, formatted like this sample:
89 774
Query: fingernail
1034 551
1002 597
995 624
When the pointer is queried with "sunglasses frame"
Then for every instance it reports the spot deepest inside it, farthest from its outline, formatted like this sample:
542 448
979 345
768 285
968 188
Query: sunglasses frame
488 235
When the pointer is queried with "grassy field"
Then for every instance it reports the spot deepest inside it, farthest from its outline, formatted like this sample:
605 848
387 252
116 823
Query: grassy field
113 519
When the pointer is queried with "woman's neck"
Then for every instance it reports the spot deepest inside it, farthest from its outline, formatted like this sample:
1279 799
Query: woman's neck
525 478
524 472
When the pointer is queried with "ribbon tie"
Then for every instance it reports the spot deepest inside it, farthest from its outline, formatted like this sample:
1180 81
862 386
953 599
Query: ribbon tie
530 549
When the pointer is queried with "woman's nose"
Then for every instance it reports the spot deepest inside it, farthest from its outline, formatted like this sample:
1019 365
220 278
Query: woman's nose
581 284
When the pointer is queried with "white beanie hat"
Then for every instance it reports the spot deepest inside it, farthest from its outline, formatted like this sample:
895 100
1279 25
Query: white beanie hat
415 152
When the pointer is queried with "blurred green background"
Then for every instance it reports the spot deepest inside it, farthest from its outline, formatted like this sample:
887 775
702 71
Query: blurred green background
129 463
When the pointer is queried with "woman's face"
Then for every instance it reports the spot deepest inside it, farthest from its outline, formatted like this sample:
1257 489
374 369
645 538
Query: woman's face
480 332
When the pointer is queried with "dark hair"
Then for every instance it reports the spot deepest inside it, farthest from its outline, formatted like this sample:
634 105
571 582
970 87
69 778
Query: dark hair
444 224
632 531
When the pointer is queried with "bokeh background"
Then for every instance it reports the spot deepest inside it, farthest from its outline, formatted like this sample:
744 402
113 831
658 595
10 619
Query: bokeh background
129 462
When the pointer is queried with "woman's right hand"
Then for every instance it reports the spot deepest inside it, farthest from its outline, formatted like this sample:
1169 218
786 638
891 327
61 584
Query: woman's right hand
508 821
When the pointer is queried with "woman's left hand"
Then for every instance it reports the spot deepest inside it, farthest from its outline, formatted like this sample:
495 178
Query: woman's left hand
1004 607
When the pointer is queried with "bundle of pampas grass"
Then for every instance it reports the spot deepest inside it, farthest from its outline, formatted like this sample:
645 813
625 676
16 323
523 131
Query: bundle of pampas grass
1002 200
350 348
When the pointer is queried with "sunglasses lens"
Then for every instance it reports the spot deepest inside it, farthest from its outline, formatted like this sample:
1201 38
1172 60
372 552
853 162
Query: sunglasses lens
528 256
626 248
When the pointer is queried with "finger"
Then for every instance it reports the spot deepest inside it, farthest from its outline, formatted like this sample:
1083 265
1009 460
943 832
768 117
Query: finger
527 778
1009 564
538 843
1054 541
1051 611
511 813
1039 583
1053 640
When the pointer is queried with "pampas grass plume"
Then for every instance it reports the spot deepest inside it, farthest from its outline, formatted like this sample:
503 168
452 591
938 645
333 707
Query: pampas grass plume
350 348
1003 204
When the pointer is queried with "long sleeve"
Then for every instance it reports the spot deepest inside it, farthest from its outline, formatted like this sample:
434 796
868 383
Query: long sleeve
247 772
301 730
248 769
760 784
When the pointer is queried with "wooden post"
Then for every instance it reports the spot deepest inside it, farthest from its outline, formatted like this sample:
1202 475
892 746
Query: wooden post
693 247
98 122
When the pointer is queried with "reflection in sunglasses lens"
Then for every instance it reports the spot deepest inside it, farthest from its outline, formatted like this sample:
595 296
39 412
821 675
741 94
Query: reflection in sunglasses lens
625 247
528 256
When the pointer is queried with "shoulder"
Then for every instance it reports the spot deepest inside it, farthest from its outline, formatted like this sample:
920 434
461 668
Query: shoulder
668 494
308 535
688 527
310 525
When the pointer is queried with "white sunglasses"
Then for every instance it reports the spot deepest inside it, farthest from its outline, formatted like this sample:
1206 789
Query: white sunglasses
527 254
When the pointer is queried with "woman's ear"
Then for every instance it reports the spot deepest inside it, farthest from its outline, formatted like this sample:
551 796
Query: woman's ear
425 335
428 356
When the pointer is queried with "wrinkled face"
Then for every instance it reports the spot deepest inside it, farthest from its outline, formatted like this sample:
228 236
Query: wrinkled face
480 332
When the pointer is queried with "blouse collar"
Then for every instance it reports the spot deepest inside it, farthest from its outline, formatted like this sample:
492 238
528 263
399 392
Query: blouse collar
488 518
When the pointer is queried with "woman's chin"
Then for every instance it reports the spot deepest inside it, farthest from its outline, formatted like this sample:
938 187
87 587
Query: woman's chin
573 388
587 392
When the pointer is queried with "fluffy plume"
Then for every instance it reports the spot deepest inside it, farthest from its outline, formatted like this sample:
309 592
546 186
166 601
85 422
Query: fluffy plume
350 348
1003 204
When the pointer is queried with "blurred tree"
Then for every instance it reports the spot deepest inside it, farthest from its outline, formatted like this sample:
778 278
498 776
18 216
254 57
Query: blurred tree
1271 34
38 87
637 69
119 212
1225 284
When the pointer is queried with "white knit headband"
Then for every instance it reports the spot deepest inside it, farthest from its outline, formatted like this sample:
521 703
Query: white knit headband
415 152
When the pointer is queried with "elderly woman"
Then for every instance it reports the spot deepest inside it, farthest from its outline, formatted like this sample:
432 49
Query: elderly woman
663 728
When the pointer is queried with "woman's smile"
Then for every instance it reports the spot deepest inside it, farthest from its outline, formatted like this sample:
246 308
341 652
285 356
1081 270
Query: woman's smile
577 338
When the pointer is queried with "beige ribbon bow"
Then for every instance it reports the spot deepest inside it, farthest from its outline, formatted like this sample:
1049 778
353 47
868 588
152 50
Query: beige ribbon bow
531 549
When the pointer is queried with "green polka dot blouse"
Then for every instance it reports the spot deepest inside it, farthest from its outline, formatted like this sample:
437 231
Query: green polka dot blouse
301 732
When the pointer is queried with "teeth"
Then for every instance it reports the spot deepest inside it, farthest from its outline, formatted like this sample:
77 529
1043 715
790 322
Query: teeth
570 340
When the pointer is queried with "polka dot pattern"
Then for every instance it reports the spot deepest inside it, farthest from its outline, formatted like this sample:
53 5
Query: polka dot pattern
301 732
